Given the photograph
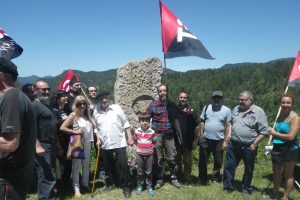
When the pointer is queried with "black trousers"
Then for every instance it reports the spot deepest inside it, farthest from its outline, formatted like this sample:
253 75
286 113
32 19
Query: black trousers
111 157
208 146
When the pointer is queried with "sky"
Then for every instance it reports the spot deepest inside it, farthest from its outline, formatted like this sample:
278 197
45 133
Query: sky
97 35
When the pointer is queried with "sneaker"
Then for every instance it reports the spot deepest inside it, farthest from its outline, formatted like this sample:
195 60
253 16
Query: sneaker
139 190
176 183
158 184
127 192
150 191
102 176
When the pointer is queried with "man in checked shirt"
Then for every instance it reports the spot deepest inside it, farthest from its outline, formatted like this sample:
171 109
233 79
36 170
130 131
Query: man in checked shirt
163 114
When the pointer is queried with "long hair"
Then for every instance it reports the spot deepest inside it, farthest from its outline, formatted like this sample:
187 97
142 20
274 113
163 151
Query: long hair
56 97
86 112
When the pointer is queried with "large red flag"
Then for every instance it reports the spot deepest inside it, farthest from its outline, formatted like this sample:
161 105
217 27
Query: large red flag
9 49
294 80
177 40
64 84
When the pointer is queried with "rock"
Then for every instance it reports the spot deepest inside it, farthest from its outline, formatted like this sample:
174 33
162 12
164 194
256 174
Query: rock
135 87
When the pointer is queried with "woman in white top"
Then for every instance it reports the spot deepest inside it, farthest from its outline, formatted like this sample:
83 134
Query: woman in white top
81 118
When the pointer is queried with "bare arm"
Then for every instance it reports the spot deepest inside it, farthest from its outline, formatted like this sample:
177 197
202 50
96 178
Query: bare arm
259 138
201 129
227 135
9 142
39 150
129 136
67 123
294 127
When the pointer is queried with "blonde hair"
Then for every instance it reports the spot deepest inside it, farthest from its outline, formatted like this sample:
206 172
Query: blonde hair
75 109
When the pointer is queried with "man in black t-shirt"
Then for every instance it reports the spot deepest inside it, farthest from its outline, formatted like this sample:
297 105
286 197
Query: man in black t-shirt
75 90
188 122
46 142
17 136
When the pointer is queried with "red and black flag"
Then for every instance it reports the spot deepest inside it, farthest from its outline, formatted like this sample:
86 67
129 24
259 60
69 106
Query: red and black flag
177 40
294 79
64 84
9 49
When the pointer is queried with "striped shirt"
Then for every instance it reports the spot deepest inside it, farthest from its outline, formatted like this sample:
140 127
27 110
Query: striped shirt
144 141
162 116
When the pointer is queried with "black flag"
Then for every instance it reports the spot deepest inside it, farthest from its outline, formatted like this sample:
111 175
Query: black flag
9 49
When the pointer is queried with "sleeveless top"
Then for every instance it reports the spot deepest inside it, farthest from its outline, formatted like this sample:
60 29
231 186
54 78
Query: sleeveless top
284 128
87 128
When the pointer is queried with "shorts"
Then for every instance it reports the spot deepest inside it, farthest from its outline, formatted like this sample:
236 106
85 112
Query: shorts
284 156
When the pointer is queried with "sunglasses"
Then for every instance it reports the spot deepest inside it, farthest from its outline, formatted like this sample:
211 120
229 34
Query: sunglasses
81 104
44 89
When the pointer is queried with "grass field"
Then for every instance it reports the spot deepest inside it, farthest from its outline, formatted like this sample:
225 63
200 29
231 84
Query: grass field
261 184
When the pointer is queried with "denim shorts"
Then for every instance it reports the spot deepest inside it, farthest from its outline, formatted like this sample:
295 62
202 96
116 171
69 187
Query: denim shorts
286 155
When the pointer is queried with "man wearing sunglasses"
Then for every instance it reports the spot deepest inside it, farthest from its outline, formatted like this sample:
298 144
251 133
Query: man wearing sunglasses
45 143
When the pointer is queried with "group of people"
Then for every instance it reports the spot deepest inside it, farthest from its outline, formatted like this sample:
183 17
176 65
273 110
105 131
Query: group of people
36 131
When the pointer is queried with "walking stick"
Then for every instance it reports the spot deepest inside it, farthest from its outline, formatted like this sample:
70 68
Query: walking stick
95 172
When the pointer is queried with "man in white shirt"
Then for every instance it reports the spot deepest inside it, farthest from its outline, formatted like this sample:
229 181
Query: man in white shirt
113 129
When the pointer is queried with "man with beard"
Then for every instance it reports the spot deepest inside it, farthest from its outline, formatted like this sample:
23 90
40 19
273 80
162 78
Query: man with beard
75 90
188 123
114 132
249 126
17 136
215 120
46 142
163 113
28 89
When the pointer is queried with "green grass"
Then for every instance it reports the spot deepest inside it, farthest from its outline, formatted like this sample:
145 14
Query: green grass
261 183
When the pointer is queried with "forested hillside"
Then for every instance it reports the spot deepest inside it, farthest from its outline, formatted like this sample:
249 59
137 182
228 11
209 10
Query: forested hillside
267 81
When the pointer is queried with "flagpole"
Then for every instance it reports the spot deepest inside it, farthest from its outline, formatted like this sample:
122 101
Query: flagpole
86 96
278 113
165 70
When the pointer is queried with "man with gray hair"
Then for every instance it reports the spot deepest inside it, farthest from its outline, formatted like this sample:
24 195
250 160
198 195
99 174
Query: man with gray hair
249 127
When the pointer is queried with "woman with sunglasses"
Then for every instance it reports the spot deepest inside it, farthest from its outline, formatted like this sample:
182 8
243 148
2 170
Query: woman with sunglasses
81 118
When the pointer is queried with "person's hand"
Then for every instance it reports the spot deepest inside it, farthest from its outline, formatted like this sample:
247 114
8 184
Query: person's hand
40 151
79 131
253 146
92 107
271 130
225 145
98 143
130 141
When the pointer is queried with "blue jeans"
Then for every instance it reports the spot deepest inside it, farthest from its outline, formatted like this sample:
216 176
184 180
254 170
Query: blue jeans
235 152
45 168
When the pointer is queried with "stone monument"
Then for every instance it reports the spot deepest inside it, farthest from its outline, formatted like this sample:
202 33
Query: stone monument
135 87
